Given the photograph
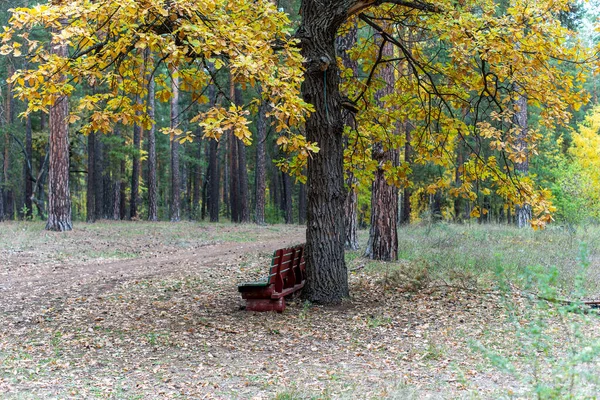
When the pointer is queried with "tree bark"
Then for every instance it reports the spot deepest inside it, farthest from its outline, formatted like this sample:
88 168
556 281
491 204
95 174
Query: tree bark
59 201
175 176
522 211
152 183
383 235
345 43
325 265
91 180
261 173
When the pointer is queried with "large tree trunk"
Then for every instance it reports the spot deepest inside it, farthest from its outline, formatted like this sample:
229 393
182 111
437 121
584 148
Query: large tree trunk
152 183
345 43
383 235
522 211
261 173
175 176
325 265
135 170
59 198
91 179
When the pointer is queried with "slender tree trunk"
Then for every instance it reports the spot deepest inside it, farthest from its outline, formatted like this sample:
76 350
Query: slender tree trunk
407 192
383 235
458 201
8 191
99 177
28 169
325 265
302 204
213 179
287 198
175 176
91 179
197 176
261 173
234 175
233 178
59 197
108 182
522 211
242 172
152 183
135 169
225 167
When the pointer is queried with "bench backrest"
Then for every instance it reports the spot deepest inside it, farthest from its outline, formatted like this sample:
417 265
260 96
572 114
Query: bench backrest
287 268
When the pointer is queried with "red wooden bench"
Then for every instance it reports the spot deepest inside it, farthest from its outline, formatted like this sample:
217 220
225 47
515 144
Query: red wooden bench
286 276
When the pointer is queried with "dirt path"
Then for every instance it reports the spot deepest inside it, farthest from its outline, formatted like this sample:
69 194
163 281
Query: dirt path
26 288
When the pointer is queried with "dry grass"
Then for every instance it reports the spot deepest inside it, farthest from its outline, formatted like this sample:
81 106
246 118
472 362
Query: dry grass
158 319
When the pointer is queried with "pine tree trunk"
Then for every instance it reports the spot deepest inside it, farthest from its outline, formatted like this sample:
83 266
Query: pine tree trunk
522 211
242 191
197 176
91 179
287 198
224 165
28 168
234 175
407 192
59 200
261 173
233 178
302 204
152 182
383 235
135 170
213 181
8 191
325 265
175 175
99 177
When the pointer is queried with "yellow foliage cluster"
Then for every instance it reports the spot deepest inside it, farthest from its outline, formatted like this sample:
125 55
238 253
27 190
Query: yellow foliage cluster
458 76
116 46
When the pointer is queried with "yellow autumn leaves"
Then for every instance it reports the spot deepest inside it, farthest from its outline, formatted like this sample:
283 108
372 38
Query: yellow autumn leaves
117 46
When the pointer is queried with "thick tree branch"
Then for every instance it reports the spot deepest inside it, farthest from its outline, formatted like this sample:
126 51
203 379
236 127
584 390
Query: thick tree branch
416 5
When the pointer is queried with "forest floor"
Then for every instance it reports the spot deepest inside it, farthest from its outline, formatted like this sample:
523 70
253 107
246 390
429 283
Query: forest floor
150 311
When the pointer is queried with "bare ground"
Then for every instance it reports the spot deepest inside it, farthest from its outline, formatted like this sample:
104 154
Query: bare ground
150 311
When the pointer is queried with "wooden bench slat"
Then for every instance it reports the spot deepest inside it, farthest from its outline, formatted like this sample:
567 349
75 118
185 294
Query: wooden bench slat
286 276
